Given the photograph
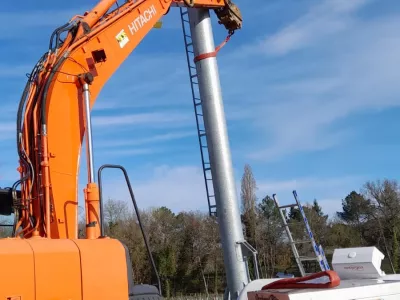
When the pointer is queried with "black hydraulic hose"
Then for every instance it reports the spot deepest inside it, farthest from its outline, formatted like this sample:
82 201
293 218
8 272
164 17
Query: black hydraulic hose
19 113
51 76
19 130
21 106
46 88
137 215
60 32
24 98
21 155
55 32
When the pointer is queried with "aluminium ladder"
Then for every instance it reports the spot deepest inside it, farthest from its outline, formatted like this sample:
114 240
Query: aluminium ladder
319 252
201 131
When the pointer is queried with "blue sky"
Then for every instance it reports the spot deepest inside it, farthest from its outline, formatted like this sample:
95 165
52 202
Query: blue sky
310 92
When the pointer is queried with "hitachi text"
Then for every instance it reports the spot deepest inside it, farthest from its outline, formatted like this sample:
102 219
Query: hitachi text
138 23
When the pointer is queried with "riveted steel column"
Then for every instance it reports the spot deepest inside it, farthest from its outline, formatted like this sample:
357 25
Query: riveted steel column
230 226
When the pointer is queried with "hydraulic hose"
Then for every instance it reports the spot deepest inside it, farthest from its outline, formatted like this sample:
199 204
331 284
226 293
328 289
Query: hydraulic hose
46 88
55 32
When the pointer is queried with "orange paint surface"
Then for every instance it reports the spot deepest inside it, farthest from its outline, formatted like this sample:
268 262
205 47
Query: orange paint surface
47 261
45 269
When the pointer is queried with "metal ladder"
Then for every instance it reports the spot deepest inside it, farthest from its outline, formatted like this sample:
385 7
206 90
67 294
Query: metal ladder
319 252
198 111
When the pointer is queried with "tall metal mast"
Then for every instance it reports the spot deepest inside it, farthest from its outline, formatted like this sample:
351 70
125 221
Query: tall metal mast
228 215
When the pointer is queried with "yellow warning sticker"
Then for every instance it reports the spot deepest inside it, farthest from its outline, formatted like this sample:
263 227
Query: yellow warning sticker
122 38
158 25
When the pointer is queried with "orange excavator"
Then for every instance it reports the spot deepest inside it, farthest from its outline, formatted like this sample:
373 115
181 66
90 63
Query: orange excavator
45 259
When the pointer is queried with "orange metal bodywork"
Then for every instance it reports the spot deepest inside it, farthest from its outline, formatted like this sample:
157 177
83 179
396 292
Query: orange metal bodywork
54 148
17 255
47 269
65 124
46 260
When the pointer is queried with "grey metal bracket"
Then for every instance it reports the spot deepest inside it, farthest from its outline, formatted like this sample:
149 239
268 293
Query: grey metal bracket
249 251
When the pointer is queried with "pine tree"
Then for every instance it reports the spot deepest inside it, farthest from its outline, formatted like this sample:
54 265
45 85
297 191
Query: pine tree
395 251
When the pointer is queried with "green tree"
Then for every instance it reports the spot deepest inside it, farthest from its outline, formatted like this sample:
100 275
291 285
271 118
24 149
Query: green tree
356 211
249 217
187 247
248 198
395 251
271 234
341 235
318 222
164 240
319 226
317 209
385 211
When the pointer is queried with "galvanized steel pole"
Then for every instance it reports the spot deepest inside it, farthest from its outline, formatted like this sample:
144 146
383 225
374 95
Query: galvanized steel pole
230 226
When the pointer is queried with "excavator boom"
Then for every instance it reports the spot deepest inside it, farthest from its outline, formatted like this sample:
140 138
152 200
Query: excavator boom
51 120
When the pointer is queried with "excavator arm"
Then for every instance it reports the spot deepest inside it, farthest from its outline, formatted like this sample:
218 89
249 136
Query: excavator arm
45 259
51 122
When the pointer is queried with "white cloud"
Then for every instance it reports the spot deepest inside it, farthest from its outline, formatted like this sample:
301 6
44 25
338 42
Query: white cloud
178 188
8 173
7 127
7 131
182 188
39 18
148 80
11 109
332 205
322 20
277 186
147 140
289 104
172 118
128 152
303 103
19 71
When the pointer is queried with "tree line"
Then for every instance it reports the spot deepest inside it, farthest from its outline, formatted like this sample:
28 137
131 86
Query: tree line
187 250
